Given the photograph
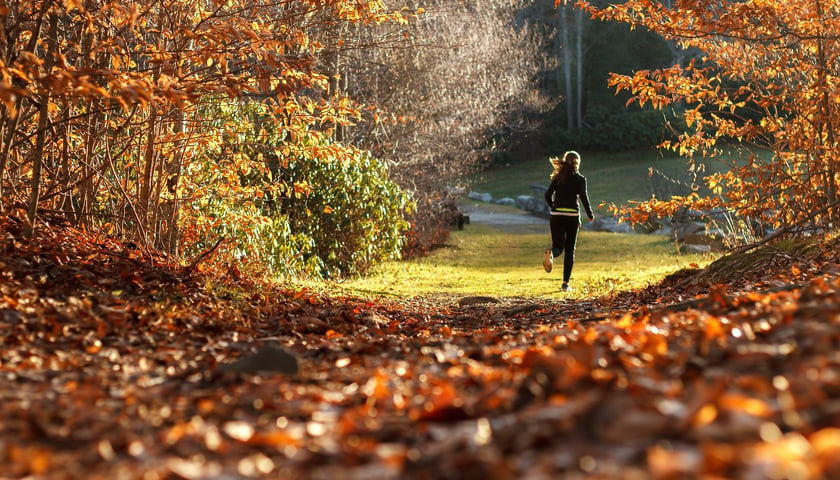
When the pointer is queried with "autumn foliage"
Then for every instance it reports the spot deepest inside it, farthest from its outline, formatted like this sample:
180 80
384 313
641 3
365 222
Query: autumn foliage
763 74
141 118
118 361
121 364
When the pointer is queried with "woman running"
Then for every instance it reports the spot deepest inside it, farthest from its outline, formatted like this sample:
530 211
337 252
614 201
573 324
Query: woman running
567 186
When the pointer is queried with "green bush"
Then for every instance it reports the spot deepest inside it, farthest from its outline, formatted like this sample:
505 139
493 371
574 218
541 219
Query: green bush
254 240
354 215
620 130
623 130
294 206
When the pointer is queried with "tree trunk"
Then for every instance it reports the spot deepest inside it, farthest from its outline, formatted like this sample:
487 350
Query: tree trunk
148 175
338 77
579 65
172 206
12 119
41 135
66 204
826 129
37 161
10 126
567 69
86 194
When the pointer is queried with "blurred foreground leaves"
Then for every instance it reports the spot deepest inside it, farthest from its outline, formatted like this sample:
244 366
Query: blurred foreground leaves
117 364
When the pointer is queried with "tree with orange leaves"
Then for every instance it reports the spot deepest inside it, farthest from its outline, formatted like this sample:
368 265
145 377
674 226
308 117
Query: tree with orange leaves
112 111
767 79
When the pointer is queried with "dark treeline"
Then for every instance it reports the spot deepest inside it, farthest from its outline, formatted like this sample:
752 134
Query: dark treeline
587 114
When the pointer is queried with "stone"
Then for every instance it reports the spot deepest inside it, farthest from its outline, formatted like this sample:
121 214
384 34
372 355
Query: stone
476 300
694 248
532 204
607 224
539 190
524 202
714 243
687 228
481 197
270 359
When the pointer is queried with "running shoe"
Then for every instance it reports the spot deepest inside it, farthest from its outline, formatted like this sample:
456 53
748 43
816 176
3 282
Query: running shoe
548 260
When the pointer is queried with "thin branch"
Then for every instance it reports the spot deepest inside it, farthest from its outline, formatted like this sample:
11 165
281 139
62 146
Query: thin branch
783 231
204 255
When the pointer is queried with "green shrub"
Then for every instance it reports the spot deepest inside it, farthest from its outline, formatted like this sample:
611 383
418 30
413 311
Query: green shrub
255 242
355 216
623 130
620 130
294 206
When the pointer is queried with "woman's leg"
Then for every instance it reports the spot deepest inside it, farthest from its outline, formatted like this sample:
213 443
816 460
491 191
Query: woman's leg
570 226
558 234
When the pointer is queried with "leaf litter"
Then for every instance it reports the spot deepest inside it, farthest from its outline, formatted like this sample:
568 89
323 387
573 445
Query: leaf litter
119 364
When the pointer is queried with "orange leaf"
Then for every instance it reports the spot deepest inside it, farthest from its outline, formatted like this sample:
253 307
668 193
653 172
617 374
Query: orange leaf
751 406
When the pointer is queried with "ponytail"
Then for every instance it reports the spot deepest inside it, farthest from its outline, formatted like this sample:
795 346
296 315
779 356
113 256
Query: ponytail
566 167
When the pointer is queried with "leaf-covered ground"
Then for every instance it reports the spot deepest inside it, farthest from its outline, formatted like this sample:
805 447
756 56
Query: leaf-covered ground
116 364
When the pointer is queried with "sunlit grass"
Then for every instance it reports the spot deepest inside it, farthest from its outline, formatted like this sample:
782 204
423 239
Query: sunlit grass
612 177
484 260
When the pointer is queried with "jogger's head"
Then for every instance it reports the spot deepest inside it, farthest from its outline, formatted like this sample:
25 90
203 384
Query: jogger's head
568 164
572 158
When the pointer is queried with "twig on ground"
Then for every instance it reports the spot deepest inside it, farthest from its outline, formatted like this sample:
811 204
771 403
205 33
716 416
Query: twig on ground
192 265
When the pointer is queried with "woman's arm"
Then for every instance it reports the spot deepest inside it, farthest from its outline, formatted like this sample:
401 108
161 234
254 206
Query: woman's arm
550 192
584 198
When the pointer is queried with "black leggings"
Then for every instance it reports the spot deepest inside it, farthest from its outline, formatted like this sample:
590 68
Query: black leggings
564 231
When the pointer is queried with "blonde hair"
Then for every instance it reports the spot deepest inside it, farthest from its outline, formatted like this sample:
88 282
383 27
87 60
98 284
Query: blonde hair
570 158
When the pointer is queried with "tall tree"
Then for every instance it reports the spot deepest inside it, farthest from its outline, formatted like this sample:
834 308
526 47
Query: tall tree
768 79
449 87
114 95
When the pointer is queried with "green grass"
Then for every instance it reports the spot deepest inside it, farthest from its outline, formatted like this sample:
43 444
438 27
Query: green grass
484 260
611 177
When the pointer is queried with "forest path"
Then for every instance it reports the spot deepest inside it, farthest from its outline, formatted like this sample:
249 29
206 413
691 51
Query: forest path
120 365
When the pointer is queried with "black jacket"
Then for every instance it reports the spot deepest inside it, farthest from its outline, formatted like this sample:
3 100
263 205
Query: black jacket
562 196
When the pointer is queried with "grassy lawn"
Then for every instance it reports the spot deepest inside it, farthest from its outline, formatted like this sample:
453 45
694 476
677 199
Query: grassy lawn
484 260
611 177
